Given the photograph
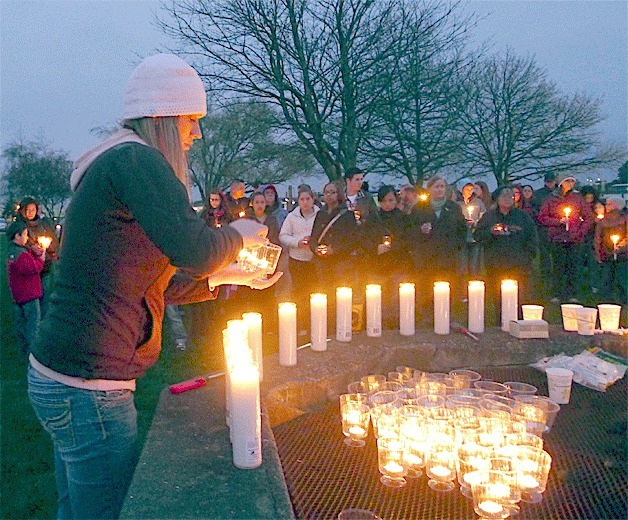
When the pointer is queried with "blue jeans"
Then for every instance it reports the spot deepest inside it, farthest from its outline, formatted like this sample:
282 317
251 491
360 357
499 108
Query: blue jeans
94 436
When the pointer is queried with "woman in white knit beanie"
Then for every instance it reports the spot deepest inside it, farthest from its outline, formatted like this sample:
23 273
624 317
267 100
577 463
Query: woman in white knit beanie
132 244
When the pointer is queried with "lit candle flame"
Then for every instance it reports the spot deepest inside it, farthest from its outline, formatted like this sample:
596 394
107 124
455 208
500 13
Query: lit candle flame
241 214
615 239
44 242
423 197
567 211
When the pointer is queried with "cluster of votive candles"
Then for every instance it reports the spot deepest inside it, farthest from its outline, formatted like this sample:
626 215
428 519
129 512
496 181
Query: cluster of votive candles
242 343
484 434
344 300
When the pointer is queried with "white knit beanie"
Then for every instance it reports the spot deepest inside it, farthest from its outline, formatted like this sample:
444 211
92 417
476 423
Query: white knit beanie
164 85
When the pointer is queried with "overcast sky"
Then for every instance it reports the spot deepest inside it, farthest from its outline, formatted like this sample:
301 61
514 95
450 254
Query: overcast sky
64 62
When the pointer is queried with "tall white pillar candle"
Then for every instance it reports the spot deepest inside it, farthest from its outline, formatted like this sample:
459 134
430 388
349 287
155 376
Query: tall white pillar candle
246 422
287 334
510 303
318 321
441 307
344 303
253 322
476 306
406 309
373 310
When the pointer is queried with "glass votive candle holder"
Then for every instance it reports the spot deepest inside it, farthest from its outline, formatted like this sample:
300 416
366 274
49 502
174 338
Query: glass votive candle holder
373 381
533 466
497 402
462 400
472 392
379 398
532 312
552 407
355 424
534 415
465 373
429 403
391 461
472 460
392 386
268 258
427 387
491 386
440 466
524 439
388 424
517 388
353 398
507 477
406 372
489 501
358 387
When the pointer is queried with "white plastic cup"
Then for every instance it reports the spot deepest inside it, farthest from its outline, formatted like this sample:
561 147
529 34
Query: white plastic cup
532 312
609 316
586 317
559 384
570 322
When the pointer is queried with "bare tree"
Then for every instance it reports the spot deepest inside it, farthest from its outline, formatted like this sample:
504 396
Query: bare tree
243 141
33 168
419 132
520 126
319 61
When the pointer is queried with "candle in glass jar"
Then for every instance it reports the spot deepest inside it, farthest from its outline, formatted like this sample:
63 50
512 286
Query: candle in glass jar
344 302
387 240
441 308
253 322
406 309
373 310
393 468
490 507
476 306
44 242
358 431
527 482
287 334
318 321
510 303
441 471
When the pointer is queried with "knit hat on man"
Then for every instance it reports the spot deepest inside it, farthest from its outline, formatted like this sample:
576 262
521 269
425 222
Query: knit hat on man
563 177
164 85
617 201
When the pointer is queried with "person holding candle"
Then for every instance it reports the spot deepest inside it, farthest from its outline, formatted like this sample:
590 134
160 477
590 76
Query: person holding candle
237 202
437 231
40 227
24 265
610 244
590 268
273 206
258 211
510 242
216 213
295 235
128 228
567 219
484 194
354 179
470 254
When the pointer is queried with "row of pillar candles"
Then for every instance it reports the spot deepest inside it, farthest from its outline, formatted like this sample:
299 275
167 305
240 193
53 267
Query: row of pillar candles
344 308
242 343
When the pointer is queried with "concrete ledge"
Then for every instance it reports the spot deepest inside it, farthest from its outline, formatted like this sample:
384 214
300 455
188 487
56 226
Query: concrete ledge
318 377
186 469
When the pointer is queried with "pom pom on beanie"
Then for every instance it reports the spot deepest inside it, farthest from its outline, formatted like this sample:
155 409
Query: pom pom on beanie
164 85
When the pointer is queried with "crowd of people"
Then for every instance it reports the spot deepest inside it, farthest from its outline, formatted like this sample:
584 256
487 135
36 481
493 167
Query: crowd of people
573 243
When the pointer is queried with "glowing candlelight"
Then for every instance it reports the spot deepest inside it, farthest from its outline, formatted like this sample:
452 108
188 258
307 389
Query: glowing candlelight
509 303
241 214
322 249
44 242
615 240
318 321
373 310
387 240
393 468
357 431
527 482
246 422
567 212
344 297
476 306
441 307
287 334
441 471
491 507
406 309
253 322
423 197
599 216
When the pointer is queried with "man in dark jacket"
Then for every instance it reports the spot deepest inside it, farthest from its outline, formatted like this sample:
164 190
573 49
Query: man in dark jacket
567 219
510 244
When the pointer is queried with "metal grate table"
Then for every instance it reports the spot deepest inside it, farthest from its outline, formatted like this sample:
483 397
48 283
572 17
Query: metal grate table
587 480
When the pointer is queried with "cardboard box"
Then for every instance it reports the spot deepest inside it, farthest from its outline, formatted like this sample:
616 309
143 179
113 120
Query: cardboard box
523 329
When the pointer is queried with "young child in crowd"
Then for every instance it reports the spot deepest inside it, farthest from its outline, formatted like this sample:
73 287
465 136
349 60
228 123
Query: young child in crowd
24 266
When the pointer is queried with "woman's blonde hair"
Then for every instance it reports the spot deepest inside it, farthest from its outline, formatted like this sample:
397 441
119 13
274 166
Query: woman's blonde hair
162 133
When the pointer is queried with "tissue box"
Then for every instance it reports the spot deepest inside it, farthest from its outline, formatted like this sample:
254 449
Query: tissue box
523 329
